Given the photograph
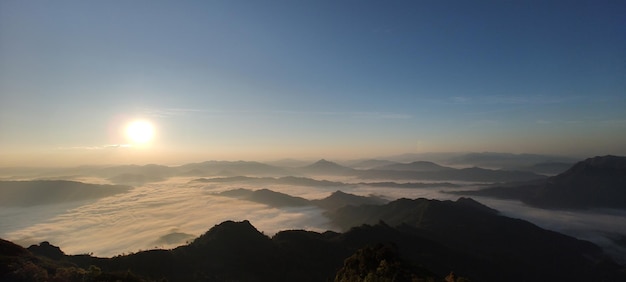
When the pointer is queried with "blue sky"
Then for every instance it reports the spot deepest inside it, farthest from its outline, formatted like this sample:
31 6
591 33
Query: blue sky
332 79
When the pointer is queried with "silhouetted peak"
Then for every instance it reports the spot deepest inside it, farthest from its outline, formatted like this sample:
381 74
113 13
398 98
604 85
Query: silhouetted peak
324 163
423 163
594 182
335 196
297 236
600 162
602 169
46 249
339 199
339 193
228 225
231 232
380 226
327 167
431 209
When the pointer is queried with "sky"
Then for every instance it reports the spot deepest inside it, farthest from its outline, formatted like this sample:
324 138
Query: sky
261 80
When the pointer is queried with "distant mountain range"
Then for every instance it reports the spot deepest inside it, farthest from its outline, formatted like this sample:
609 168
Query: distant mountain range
369 164
43 192
420 166
482 159
418 240
336 200
324 167
286 180
304 181
594 182
473 174
505 160
268 197
548 168
224 168
511 167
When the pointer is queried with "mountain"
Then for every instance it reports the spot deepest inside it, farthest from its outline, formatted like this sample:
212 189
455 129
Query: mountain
549 168
409 185
276 199
510 191
149 170
479 245
324 167
474 174
369 164
477 238
339 199
136 179
141 174
288 163
304 181
226 168
46 262
268 197
422 166
595 182
504 160
431 157
42 192
418 213
286 180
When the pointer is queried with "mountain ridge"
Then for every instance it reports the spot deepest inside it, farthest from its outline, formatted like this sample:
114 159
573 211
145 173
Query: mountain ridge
594 182
20 193
490 247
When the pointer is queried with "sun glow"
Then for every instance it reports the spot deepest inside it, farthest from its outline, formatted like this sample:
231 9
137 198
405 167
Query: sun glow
140 131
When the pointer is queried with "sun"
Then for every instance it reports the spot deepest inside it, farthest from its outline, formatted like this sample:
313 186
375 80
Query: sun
140 131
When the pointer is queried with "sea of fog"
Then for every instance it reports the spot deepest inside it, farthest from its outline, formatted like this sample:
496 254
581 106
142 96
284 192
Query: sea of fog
171 213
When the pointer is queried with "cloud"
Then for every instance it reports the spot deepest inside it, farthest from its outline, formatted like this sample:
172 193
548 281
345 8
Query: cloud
170 112
174 112
137 219
596 225
460 100
101 147
591 121
377 115
508 100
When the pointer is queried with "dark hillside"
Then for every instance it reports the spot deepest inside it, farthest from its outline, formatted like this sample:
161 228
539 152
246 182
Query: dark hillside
417 239
598 182
594 182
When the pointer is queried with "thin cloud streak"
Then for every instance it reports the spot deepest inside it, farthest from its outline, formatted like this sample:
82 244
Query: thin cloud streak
176 112
170 112
102 147
508 100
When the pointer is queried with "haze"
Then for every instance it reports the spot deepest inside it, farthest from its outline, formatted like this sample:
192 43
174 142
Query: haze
264 81
151 105
169 213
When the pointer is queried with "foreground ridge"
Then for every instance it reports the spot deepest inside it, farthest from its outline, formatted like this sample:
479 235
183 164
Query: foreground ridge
412 240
